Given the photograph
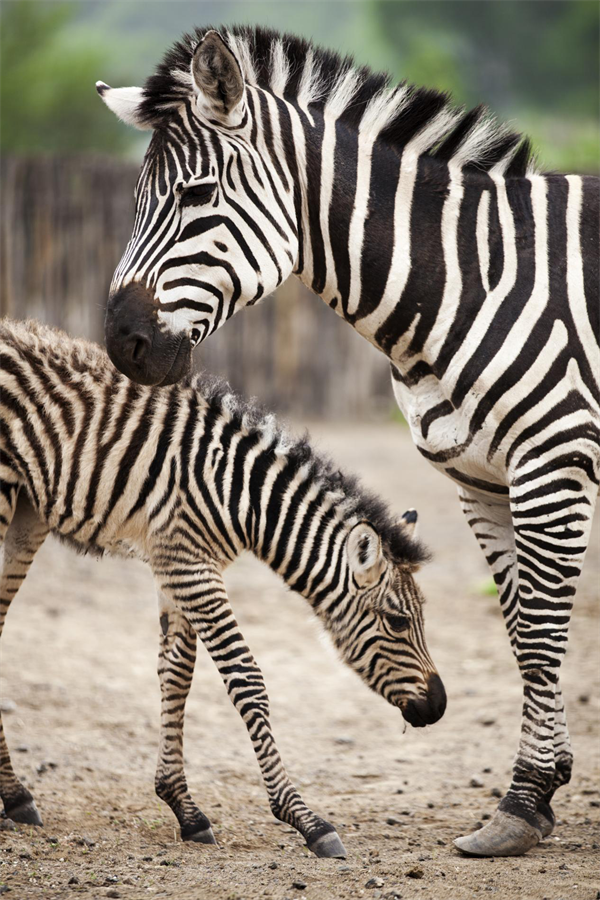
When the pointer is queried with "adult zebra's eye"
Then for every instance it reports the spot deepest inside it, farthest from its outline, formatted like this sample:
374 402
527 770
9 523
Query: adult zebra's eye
398 623
197 194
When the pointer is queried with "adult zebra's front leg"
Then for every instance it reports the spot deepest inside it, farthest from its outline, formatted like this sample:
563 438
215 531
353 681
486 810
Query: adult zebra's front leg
491 523
551 511
176 659
200 595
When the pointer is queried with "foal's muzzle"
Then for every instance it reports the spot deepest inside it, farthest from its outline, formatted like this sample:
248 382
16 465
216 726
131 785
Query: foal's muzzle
428 709
135 343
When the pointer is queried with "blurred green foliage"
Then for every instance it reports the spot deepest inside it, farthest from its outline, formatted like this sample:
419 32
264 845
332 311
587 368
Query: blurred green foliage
534 62
47 97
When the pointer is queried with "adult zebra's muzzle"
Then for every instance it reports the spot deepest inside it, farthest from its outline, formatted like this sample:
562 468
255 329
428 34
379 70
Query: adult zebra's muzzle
430 708
135 343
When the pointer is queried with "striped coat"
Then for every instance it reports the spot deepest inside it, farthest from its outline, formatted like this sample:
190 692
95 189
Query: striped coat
429 230
186 477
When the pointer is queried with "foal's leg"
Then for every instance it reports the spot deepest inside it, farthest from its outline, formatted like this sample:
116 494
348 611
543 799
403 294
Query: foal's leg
176 659
200 594
21 536
552 507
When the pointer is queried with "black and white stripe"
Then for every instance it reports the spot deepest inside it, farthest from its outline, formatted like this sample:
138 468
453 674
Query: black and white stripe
187 477
430 231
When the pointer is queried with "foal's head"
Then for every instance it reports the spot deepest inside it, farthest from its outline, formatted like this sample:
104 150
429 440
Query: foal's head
379 628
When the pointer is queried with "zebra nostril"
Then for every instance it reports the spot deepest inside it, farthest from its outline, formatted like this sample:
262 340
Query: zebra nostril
194 336
138 346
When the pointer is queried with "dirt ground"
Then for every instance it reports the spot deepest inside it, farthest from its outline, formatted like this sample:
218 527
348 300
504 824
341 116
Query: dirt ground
78 662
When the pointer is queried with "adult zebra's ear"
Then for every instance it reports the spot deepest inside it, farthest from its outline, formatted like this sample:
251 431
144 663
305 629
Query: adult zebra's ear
365 554
125 103
217 76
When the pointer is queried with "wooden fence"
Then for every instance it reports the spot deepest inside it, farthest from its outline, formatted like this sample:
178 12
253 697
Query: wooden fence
64 223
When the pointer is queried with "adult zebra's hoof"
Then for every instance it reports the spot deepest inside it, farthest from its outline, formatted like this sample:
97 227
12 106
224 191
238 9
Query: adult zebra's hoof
25 814
205 836
546 819
328 845
504 835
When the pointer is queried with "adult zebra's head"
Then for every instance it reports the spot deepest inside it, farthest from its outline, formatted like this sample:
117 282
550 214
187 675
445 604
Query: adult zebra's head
380 632
215 224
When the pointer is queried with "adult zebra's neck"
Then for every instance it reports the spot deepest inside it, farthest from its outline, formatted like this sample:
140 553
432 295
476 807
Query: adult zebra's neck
392 235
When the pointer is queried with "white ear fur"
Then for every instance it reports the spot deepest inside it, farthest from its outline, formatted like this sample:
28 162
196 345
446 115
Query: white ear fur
364 554
408 522
124 102
217 77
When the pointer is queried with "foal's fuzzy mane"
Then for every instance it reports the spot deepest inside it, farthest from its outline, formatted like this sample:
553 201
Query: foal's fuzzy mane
70 358
310 76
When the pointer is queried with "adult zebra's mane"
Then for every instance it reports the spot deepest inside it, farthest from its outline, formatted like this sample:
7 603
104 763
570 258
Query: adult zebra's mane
298 71
51 348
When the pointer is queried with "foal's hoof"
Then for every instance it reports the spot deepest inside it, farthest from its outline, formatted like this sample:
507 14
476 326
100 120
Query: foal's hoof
546 819
328 845
504 835
205 836
25 814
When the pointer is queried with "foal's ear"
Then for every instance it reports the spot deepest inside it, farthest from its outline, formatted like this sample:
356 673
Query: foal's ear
408 523
125 103
217 76
365 555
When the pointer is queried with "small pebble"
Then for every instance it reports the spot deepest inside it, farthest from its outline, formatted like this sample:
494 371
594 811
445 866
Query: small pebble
345 741
583 698
113 892
440 842
415 872
344 869
487 770
273 865
399 791
23 748
374 883
111 879
393 820
486 816
6 705
73 880
495 792
7 824
430 805
41 768
476 782
299 885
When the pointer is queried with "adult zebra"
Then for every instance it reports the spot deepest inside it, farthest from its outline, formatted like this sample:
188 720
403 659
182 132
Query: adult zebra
429 231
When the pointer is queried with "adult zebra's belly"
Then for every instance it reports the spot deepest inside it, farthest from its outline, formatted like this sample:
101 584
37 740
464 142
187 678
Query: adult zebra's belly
441 433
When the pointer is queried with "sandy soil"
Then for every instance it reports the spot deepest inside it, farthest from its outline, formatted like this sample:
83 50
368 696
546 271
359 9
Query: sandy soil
79 663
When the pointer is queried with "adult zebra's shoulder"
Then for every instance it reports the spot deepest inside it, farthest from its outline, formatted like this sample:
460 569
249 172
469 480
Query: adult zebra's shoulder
187 477
431 232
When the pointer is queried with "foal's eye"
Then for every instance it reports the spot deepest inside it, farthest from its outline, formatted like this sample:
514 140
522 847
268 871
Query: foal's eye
398 623
197 194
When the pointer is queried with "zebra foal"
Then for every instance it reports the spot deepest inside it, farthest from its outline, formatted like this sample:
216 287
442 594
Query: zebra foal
187 477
